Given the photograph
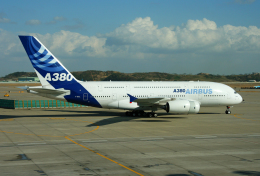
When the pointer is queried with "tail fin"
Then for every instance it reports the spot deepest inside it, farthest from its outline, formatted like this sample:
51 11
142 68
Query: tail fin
48 68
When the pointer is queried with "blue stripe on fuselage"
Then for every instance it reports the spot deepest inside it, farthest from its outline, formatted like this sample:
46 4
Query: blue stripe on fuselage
78 90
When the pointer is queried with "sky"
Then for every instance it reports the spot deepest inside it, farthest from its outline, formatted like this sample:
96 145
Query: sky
189 36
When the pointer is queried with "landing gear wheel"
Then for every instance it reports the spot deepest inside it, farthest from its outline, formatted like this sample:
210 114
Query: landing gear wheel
152 114
134 114
228 111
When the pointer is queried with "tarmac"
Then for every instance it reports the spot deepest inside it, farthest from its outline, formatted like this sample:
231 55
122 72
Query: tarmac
92 141
16 93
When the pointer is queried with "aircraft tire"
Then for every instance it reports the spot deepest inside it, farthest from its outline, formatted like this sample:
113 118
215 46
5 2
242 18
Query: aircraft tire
228 112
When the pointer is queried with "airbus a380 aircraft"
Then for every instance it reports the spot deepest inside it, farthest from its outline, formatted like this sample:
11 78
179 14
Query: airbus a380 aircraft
175 97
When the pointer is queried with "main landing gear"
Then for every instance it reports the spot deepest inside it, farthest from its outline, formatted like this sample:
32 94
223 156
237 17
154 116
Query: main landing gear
228 111
140 114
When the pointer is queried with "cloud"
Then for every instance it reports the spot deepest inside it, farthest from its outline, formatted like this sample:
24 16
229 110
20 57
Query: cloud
141 35
141 45
201 25
8 43
244 1
141 38
33 22
57 19
4 20
73 44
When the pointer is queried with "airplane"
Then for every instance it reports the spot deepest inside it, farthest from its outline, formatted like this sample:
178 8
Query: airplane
177 97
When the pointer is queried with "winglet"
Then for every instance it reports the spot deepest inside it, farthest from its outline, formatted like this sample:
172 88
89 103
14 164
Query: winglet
132 98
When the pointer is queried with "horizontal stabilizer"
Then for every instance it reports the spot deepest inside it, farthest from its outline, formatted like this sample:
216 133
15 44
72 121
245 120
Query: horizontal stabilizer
49 91
23 87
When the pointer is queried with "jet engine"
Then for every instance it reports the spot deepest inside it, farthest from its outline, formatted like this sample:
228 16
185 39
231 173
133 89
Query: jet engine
182 107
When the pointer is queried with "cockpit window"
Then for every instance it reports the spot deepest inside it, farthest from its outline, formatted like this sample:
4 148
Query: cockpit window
235 92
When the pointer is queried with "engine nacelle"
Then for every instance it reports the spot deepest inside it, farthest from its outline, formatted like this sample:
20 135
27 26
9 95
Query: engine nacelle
182 107
194 107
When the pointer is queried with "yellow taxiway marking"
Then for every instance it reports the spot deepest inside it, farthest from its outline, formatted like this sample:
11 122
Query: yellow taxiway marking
67 137
236 115
6 120
102 156
60 118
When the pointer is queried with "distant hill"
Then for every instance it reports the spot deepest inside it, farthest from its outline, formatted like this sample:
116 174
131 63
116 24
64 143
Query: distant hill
20 74
94 75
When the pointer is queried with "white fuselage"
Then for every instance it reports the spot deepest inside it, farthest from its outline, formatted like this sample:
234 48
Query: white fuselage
114 94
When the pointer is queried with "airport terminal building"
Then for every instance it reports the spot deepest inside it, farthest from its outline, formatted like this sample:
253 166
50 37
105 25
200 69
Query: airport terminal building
34 79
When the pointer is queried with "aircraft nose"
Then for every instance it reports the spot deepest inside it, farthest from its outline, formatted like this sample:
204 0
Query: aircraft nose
240 99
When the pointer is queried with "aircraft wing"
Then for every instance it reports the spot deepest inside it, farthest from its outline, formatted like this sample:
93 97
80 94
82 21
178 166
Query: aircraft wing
150 101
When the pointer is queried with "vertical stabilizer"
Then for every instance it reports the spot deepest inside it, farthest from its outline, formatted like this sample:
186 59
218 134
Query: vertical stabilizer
48 68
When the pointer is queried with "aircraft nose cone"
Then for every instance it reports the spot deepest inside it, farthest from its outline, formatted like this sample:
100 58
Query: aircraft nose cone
240 99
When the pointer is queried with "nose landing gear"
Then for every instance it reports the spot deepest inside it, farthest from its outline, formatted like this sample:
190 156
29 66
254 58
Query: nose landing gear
228 110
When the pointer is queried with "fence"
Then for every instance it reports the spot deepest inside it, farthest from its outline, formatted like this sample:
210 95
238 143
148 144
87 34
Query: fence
27 104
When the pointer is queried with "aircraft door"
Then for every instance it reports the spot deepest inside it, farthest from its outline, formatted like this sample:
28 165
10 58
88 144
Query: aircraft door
85 96
200 96
228 95
128 87
100 88
114 97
